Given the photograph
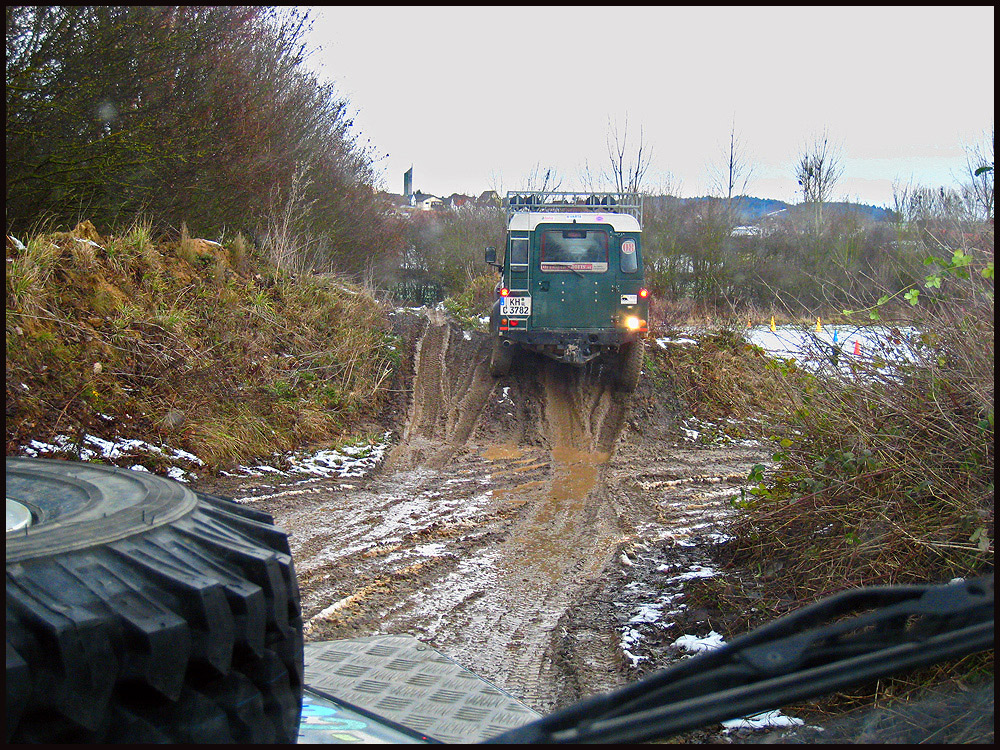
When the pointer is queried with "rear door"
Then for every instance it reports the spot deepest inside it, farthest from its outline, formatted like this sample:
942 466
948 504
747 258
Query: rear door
573 284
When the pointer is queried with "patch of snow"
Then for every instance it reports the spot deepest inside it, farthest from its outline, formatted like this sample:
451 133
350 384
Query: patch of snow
699 644
767 720
681 341
648 613
698 571
350 461
91 448
817 350
630 638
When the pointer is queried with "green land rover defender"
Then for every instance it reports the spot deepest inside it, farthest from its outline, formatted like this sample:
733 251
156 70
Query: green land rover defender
571 284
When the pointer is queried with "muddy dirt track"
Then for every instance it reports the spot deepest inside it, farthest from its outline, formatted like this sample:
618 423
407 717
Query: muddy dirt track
522 526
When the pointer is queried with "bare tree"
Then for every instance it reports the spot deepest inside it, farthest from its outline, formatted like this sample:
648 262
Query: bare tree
627 168
929 208
666 184
543 181
732 179
735 174
980 178
591 182
817 171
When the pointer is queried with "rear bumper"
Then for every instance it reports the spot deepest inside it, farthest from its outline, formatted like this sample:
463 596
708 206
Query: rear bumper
594 336
576 346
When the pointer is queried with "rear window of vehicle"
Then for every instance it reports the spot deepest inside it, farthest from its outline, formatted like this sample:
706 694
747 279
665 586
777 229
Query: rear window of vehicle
574 250
629 256
518 252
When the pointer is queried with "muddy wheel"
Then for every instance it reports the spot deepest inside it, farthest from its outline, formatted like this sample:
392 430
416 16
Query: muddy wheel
141 611
501 358
630 365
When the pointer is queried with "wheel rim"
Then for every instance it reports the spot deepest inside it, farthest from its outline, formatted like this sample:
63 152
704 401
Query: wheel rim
18 516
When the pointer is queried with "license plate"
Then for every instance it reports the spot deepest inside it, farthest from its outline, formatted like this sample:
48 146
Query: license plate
515 307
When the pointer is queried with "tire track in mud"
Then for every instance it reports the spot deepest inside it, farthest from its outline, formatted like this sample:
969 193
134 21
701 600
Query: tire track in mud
494 526
496 607
449 392
570 533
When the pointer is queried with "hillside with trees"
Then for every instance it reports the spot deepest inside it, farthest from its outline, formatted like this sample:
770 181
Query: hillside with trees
203 115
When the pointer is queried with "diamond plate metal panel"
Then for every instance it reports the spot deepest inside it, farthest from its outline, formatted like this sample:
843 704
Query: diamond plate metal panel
408 682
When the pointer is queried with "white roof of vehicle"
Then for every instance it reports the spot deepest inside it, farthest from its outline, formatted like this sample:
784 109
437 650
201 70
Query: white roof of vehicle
526 221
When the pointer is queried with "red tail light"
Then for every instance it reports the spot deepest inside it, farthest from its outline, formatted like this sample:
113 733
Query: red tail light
504 292
644 293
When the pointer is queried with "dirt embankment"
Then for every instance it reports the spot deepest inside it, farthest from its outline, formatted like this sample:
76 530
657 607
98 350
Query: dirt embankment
521 526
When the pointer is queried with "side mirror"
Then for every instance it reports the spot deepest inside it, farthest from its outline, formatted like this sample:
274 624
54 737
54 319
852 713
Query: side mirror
491 256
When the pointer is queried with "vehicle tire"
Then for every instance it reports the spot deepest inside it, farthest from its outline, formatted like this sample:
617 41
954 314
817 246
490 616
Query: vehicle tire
630 365
501 358
139 610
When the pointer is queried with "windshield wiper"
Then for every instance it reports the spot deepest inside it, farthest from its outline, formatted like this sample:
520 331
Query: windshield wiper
844 640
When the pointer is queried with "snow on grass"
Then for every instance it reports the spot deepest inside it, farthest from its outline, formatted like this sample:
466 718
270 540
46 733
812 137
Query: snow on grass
767 720
351 461
348 462
705 432
694 644
695 571
833 348
677 340
653 613
92 448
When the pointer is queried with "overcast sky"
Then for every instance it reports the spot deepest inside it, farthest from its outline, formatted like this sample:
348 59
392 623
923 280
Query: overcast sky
476 98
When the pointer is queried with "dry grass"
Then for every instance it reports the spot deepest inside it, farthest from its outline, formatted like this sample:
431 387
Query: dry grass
110 335
721 378
886 474
882 476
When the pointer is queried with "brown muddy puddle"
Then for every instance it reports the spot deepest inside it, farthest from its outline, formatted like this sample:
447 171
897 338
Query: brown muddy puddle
553 525
574 471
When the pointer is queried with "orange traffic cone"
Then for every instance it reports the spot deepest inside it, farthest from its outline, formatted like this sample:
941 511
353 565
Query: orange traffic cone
857 347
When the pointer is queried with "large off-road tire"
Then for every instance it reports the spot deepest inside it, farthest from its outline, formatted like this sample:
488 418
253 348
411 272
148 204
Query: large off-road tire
501 358
630 366
139 610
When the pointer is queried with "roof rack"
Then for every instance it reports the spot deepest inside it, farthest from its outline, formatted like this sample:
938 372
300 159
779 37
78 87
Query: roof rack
543 200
